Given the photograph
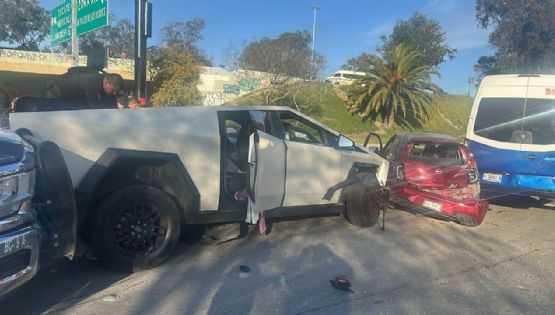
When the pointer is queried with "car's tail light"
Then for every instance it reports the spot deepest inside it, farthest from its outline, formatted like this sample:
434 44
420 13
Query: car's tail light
472 176
400 171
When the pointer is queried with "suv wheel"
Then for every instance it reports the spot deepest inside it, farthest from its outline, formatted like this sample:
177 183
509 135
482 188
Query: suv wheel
361 207
135 228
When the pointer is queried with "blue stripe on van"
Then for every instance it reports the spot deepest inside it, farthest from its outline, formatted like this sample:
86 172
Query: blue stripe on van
518 173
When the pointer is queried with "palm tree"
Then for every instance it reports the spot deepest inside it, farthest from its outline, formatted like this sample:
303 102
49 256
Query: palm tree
397 89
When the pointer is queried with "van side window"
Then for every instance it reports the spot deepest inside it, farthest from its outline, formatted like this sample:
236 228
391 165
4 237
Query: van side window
337 75
499 118
539 121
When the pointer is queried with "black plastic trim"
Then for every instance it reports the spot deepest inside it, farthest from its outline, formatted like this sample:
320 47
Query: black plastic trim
304 211
87 191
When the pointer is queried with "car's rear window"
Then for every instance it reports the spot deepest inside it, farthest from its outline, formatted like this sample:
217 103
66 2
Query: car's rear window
436 153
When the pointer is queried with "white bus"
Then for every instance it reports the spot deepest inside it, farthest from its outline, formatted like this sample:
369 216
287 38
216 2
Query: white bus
511 132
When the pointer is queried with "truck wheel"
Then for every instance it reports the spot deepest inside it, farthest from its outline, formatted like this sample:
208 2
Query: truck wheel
135 228
361 207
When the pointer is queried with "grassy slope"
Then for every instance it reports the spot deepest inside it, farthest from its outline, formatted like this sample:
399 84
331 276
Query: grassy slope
334 114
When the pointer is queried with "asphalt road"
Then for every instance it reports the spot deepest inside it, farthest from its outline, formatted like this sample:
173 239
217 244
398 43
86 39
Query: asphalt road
418 265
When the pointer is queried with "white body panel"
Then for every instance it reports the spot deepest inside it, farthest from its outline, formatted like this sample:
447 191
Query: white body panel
311 171
267 170
193 134
84 135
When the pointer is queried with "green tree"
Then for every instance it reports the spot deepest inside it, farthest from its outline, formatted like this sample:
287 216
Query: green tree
175 66
523 31
361 63
177 77
187 34
398 89
285 57
422 35
24 23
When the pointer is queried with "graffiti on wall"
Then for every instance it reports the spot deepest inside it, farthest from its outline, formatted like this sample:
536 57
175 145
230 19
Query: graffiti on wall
249 84
232 89
214 98
220 86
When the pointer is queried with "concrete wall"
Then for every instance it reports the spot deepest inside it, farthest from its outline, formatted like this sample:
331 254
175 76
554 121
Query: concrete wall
218 85
26 73
50 63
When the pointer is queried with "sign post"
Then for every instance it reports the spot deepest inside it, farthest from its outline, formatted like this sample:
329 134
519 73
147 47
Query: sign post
60 23
74 35
91 15
77 17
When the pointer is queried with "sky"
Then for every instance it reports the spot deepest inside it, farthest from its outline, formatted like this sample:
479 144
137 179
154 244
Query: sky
344 28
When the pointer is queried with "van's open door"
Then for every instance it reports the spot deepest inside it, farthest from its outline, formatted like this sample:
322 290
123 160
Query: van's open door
266 174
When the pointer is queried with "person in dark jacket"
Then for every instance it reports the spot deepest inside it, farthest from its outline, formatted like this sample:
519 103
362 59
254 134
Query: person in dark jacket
90 87
4 109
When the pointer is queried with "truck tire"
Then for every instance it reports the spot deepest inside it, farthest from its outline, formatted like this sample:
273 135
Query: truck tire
135 228
361 207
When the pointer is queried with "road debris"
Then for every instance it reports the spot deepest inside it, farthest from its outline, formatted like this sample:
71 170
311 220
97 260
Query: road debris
341 283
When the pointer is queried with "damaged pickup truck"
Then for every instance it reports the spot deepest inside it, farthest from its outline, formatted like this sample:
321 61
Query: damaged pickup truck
24 228
126 183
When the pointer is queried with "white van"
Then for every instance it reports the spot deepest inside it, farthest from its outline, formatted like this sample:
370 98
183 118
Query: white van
344 77
511 132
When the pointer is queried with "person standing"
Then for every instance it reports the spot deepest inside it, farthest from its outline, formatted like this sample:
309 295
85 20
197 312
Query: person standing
89 87
4 110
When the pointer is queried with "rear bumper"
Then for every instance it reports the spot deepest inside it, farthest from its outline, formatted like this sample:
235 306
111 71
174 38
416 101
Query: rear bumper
19 256
514 188
470 213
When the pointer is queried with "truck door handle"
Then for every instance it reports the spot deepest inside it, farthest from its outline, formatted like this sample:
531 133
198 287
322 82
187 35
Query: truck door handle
530 157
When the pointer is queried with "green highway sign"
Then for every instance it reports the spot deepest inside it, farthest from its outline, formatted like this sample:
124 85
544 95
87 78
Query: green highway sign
60 23
91 15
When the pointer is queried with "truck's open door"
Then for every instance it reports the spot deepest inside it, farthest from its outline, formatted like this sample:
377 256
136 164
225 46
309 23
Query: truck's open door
267 162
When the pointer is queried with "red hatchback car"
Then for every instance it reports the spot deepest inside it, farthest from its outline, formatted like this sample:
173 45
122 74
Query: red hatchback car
435 175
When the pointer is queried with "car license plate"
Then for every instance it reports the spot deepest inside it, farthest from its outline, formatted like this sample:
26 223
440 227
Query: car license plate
13 245
495 178
436 206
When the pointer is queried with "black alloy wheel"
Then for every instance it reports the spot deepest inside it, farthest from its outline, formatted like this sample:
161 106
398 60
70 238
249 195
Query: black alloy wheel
135 228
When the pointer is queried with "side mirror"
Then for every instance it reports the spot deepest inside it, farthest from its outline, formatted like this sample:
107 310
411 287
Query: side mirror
344 142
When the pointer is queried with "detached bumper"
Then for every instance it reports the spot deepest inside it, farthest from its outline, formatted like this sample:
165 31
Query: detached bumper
19 256
469 213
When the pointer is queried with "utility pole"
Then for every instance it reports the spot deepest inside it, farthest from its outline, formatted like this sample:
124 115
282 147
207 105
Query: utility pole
143 30
314 9
74 37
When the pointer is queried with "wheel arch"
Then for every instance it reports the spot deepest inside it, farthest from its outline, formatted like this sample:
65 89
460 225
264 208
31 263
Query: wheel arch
117 168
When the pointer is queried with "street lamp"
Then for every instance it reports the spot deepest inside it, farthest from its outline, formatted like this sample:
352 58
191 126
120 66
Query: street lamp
314 9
